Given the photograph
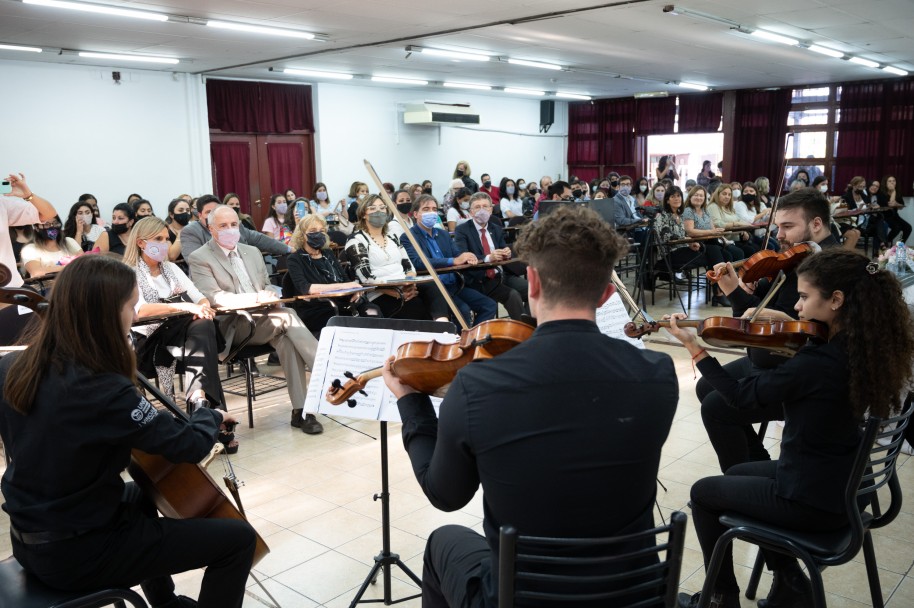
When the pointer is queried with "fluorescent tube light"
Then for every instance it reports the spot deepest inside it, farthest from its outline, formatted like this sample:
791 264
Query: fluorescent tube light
462 85
259 29
399 80
775 37
140 58
12 47
573 96
96 8
691 85
862 61
815 48
893 70
454 54
524 91
317 74
535 64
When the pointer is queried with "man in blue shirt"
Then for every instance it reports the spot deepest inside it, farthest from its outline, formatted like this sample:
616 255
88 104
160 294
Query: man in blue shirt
437 246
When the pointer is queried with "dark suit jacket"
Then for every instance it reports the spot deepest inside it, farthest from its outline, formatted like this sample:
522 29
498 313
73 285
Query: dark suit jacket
466 238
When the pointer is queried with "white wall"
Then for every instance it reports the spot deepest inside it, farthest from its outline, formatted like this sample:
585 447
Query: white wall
365 122
71 130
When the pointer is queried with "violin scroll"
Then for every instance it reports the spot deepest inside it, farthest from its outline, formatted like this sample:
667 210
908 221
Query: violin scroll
636 330
339 392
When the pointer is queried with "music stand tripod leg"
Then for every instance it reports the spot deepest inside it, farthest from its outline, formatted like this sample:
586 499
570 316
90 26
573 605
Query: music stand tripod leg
385 559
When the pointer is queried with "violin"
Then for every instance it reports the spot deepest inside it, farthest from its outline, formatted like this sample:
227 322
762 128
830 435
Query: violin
430 366
781 337
766 263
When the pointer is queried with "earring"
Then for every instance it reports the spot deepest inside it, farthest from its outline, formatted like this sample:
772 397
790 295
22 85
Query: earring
834 308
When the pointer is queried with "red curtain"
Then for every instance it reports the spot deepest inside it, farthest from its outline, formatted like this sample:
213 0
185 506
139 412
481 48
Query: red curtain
759 134
258 107
601 134
286 162
618 131
875 132
700 113
655 116
231 169
587 173
584 129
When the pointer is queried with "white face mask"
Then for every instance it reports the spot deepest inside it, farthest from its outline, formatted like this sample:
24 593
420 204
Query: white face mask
823 188
736 193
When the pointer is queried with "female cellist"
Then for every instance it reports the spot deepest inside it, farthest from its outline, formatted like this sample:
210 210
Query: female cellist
69 417
825 391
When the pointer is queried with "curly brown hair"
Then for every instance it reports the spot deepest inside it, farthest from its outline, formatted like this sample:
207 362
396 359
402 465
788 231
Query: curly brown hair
880 370
574 252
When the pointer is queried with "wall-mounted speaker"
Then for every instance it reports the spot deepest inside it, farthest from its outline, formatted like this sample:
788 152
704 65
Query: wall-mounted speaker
547 114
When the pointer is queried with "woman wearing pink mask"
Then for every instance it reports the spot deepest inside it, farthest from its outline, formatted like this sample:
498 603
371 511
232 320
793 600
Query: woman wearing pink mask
164 288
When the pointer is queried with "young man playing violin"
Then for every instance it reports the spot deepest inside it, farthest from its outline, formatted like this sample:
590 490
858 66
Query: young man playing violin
802 217
551 429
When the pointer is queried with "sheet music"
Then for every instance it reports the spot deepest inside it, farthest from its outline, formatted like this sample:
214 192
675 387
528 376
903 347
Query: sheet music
612 317
389 410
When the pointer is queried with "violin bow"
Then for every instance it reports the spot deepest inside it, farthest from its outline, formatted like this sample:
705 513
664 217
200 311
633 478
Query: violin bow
412 239
778 282
774 206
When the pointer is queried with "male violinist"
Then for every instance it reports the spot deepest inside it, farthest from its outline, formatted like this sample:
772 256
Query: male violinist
552 429
802 216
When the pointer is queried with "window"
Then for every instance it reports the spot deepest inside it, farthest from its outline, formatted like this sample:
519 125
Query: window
812 125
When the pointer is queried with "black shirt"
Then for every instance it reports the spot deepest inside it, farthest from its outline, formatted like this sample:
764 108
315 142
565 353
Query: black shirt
563 432
821 434
69 451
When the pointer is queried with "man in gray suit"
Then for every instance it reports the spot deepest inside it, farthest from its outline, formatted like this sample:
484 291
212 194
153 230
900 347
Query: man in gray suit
195 234
233 275
625 213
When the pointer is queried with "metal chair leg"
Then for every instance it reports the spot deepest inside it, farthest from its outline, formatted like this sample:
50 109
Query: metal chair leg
872 571
756 575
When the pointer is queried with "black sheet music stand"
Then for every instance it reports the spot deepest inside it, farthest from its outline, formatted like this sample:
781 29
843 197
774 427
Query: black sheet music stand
385 559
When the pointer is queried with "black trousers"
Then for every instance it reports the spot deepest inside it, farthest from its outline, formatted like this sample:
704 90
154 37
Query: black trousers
897 226
457 561
140 548
730 429
412 309
751 489
509 291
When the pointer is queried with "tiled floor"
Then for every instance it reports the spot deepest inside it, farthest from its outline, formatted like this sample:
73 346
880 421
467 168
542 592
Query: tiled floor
310 497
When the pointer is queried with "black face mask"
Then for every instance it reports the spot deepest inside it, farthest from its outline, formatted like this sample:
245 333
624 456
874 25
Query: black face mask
182 219
404 208
531 190
487 183
748 198
576 193
614 184
316 240
49 234
119 228
426 191
460 173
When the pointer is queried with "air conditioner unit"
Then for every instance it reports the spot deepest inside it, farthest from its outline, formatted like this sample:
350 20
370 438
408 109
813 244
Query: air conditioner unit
436 113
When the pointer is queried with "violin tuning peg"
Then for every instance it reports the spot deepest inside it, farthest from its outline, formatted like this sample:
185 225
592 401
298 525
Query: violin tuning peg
351 402
336 383
349 375
363 393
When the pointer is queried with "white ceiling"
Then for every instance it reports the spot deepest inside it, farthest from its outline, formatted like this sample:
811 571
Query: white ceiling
635 40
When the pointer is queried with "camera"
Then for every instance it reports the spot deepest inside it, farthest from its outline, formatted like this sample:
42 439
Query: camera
649 212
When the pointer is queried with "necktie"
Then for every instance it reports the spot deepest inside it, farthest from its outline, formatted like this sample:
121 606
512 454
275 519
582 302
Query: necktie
241 272
486 250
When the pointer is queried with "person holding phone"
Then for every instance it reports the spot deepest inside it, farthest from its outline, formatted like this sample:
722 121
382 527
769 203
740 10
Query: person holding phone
19 206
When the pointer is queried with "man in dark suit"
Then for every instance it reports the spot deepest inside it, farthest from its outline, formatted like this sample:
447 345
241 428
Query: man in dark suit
625 212
486 241
437 246
552 429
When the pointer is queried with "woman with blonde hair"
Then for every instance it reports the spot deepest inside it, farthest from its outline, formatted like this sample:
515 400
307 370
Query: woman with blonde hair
462 172
763 189
163 288
724 215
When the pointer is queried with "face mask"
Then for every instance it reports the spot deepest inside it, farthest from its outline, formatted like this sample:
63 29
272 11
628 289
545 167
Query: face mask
85 218
614 184
426 191
377 218
460 173
531 190
521 186
465 205
658 194
229 237
281 208
625 190
404 208
429 219
487 183
237 211
119 228
321 196
736 193
155 251
803 179
316 240
182 219
50 234
643 187
482 216
823 188
510 190
748 198
576 194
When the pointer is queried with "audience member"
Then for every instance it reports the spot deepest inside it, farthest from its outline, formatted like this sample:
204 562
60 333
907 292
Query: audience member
81 227
114 239
196 234
50 251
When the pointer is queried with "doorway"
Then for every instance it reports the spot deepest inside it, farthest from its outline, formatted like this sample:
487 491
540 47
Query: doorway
690 151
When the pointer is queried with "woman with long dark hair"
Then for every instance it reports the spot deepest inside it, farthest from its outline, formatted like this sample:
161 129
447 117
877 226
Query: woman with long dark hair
50 251
889 196
114 239
825 391
81 227
70 414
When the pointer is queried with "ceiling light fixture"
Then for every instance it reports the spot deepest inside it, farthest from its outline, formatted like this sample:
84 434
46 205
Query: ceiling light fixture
140 58
775 37
669 9
317 74
691 85
822 50
535 64
96 8
392 80
463 85
573 96
12 47
862 61
524 91
259 29
891 69
650 94
467 55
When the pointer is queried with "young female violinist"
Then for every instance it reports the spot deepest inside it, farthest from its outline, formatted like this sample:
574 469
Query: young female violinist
69 417
824 396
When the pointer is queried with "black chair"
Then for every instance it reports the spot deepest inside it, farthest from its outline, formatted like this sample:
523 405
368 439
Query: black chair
874 468
20 590
548 571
